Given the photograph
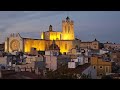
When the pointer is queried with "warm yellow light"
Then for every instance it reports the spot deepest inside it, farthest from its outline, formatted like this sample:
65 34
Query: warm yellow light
42 36
55 35
39 45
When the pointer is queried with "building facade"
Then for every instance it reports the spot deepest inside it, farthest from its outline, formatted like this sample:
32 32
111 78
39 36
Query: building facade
111 46
65 39
90 45
102 67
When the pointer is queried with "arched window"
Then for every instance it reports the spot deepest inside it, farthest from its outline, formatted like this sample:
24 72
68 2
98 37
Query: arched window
65 29
68 29
66 46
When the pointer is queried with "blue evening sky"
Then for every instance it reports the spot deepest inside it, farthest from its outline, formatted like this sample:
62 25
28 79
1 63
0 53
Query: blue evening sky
104 25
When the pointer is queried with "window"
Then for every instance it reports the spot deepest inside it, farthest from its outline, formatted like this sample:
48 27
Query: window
47 68
65 46
100 74
65 29
68 29
101 67
107 69
95 44
94 67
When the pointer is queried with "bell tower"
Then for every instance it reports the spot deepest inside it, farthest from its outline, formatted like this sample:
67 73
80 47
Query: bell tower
50 28
68 29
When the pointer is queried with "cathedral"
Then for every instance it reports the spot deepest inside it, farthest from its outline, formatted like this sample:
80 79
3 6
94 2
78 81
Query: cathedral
64 39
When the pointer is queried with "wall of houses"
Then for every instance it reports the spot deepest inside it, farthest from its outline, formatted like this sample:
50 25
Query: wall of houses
3 60
51 62
101 66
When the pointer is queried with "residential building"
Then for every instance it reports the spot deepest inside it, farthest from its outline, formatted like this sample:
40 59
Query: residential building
55 62
110 46
79 71
3 62
72 64
51 62
115 56
90 45
101 65
103 51
38 67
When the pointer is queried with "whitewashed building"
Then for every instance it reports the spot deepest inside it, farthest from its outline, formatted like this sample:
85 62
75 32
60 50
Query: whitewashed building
3 60
51 62
55 62
103 51
81 60
72 64
86 59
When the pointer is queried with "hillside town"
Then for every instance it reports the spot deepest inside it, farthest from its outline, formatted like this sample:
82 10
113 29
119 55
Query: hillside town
58 55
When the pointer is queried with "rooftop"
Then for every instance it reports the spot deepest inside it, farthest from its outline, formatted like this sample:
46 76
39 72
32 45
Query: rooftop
78 70
20 75
32 39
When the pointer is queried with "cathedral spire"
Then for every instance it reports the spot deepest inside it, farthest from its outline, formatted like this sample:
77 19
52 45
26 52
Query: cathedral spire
95 39
67 19
50 28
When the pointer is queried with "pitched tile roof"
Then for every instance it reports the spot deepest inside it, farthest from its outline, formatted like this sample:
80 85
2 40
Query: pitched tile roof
78 70
20 75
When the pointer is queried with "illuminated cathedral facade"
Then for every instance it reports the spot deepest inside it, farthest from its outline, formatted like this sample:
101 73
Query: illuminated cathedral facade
64 39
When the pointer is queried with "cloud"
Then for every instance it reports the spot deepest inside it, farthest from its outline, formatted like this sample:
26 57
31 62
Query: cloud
25 21
31 23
